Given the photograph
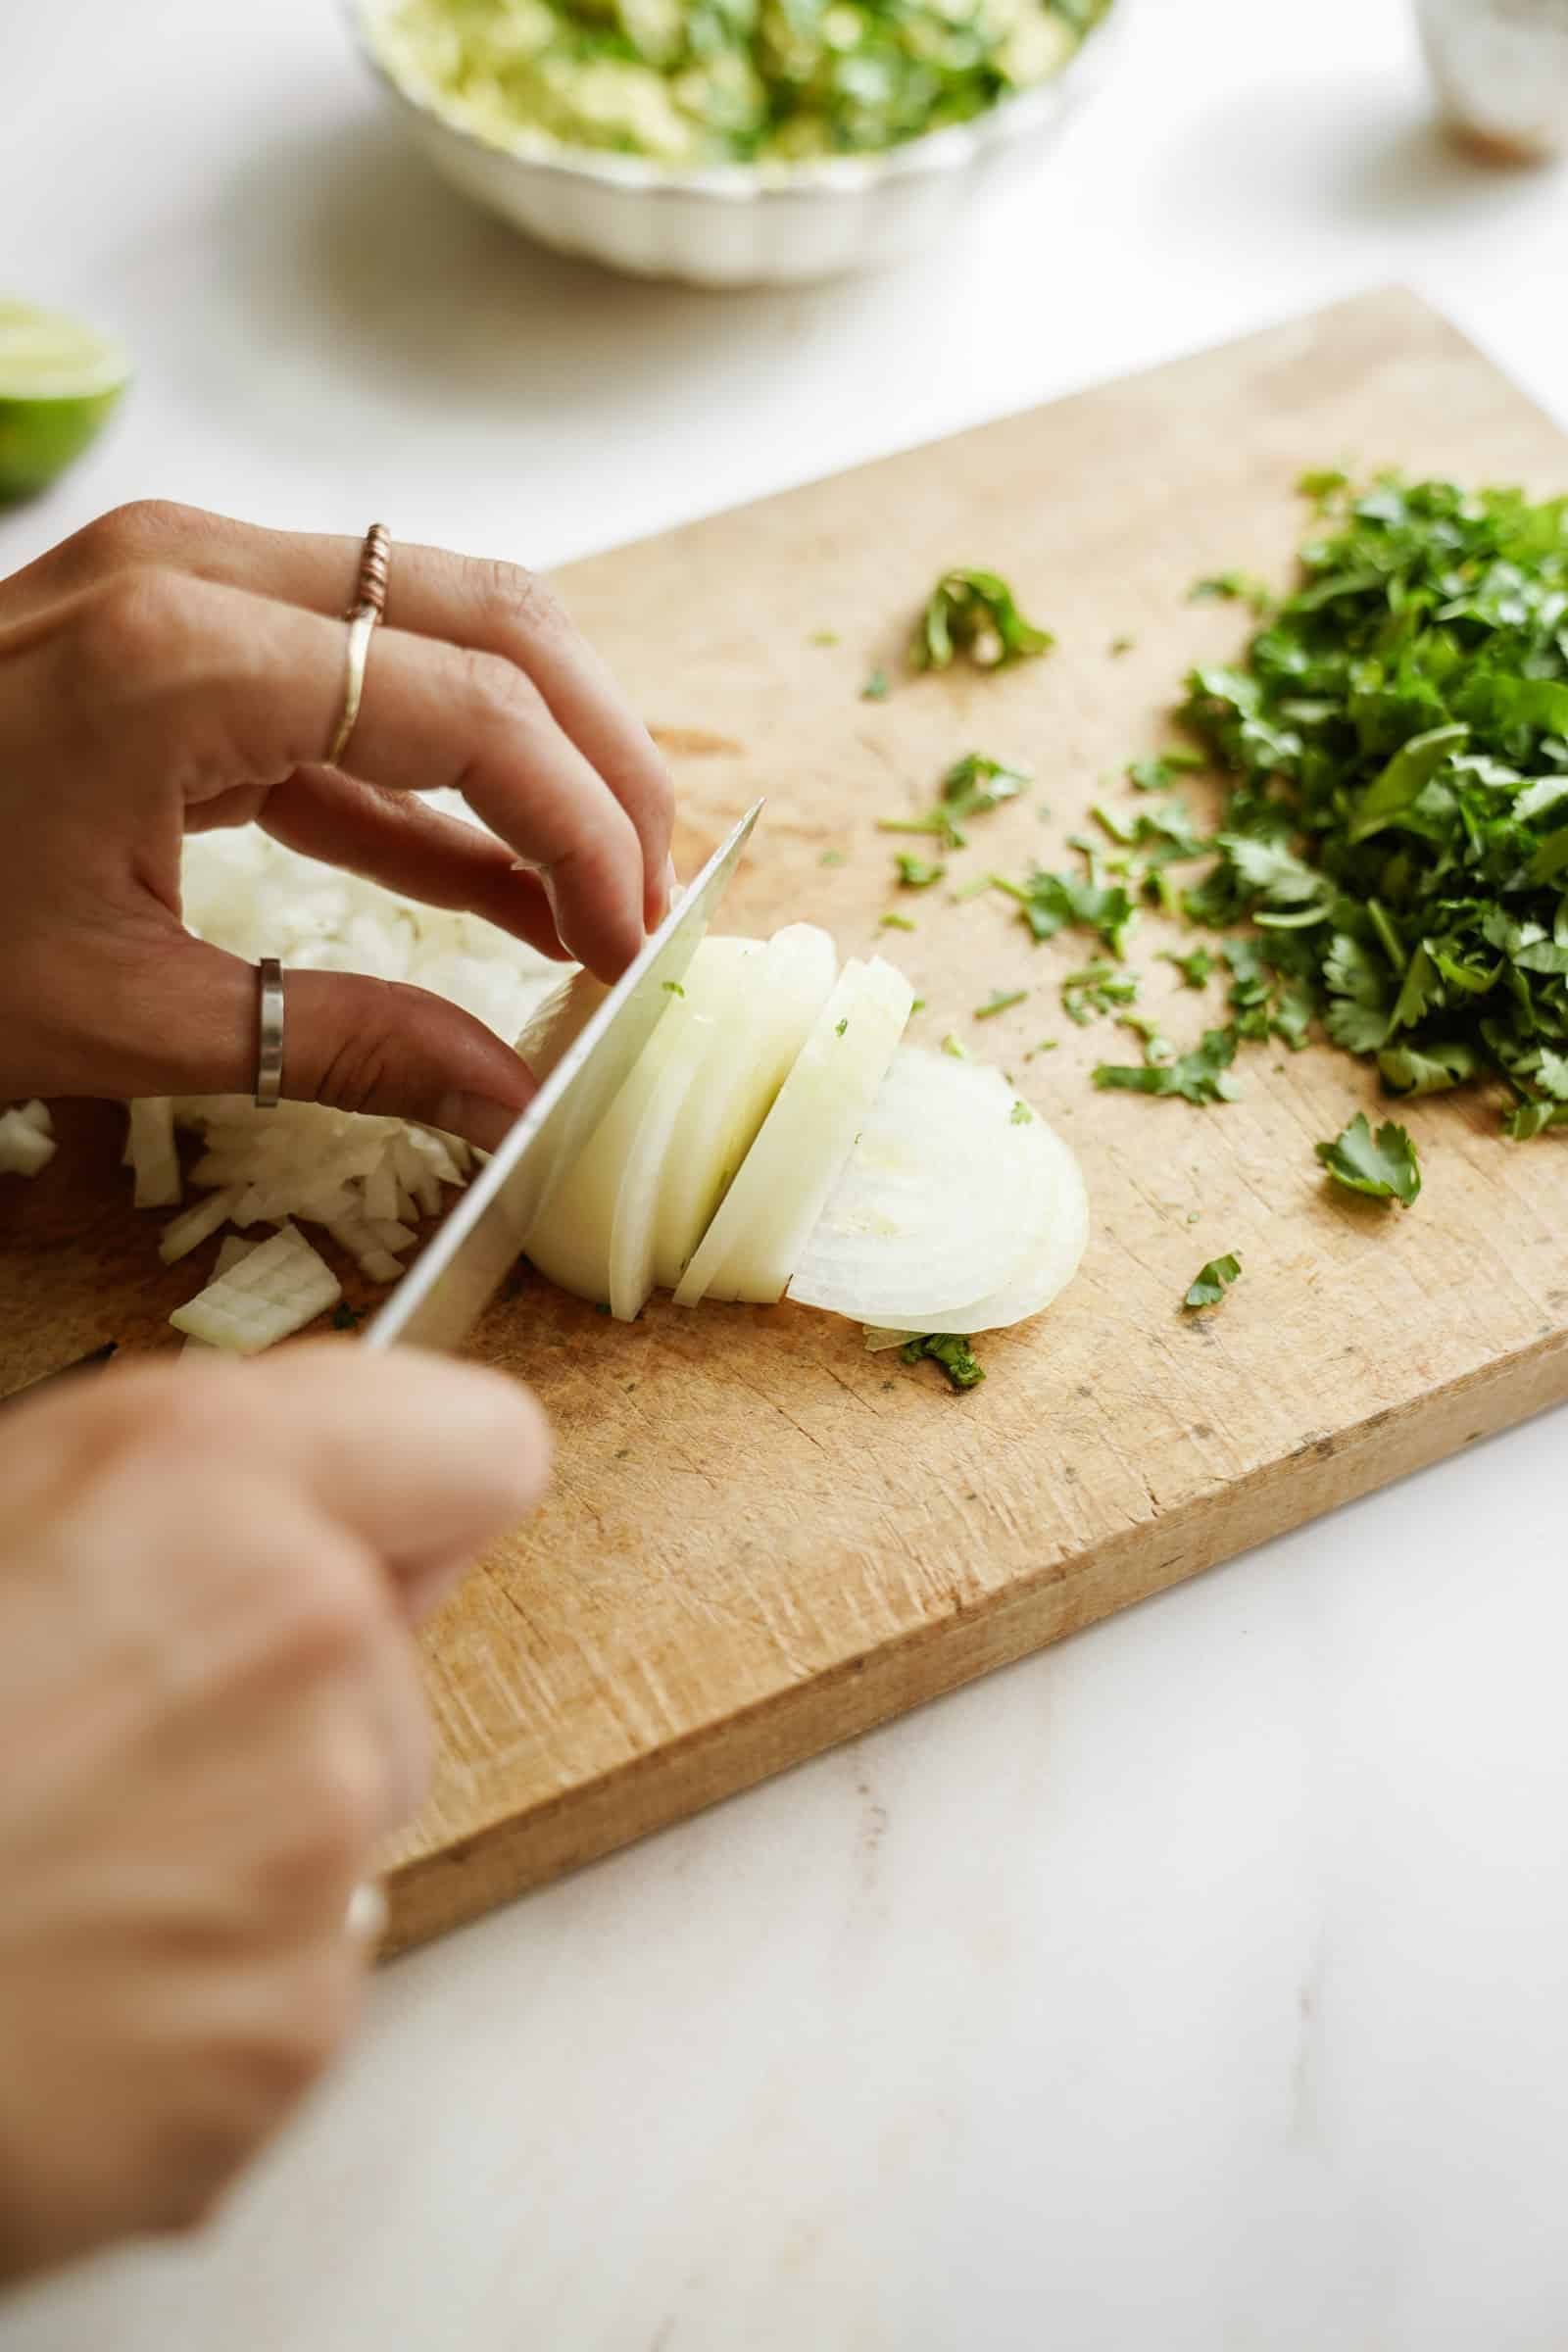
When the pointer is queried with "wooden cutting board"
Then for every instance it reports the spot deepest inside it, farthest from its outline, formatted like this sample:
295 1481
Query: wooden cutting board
761 1540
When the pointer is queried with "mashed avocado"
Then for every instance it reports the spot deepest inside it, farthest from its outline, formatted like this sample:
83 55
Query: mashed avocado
711 81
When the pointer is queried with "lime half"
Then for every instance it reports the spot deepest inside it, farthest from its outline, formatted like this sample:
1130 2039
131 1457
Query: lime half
58 382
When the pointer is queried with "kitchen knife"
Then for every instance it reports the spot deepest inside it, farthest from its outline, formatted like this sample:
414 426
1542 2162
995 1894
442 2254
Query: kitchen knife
448 1288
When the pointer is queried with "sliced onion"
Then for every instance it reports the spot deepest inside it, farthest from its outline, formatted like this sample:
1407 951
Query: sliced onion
572 1240
279 1287
760 1034
755 1241
935 1208
954 1211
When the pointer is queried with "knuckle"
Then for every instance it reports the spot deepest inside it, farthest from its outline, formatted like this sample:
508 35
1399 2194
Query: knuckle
516 599
501 695
134 619
134 532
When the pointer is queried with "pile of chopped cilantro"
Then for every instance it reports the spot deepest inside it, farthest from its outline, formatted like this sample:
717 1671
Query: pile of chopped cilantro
1395 747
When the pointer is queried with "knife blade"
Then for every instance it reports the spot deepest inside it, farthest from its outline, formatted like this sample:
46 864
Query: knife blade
448 1288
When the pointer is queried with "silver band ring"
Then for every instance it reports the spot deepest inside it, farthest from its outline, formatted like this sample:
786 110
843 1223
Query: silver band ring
269 1033
363 615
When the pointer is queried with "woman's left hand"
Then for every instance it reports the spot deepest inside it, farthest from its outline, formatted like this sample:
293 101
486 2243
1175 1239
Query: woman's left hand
165 671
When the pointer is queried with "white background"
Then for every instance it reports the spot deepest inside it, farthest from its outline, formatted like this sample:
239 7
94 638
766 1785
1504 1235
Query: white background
1197 1984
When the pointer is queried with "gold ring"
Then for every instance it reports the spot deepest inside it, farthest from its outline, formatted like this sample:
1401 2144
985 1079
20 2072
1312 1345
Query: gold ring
361 617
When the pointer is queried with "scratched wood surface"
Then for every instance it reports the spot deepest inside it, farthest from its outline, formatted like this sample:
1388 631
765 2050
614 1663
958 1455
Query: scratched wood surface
761 1540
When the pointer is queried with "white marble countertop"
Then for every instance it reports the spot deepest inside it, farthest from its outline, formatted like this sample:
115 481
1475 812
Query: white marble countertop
1197 1984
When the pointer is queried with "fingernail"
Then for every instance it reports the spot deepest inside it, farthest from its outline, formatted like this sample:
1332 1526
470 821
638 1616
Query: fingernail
478 1118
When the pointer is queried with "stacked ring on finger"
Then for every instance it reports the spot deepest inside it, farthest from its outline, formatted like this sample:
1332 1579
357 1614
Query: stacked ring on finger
361 617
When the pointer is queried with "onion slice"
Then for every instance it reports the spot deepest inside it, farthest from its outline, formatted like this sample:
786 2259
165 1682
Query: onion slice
572 1240
959 1209
753 1245
759 1035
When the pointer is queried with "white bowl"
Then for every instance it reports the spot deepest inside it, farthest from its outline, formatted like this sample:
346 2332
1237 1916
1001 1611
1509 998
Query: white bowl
744 225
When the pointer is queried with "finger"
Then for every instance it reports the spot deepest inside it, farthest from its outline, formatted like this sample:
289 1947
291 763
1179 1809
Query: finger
424 1457
182 1020
203 687
492 607
394 839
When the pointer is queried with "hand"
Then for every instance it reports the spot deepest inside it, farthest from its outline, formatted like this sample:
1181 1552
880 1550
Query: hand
165 671
210 1717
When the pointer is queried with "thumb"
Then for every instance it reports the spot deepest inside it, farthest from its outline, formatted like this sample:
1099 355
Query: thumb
355 1043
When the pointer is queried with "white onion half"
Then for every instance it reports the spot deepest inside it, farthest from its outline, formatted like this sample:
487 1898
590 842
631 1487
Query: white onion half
752 1248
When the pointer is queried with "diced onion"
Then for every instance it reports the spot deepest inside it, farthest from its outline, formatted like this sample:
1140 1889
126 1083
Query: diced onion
27 1143
271 1293
150 1150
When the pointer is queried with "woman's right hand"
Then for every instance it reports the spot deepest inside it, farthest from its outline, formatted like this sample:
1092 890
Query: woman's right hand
210 1719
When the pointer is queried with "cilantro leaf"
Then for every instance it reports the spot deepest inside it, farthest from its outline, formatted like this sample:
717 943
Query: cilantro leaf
1200 1076
1211 1282
1383 1166
917 873
975 613
948 1350
1233 587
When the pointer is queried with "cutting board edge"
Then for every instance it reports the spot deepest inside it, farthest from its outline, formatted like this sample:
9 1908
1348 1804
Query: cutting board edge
433 1893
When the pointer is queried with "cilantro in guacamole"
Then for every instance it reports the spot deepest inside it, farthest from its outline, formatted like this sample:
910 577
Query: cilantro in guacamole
692 82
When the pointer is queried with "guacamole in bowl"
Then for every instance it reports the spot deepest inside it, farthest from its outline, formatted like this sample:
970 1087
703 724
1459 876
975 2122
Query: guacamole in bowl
687 84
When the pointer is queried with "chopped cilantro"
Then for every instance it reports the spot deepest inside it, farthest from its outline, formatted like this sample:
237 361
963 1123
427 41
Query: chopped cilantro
839 1027
1395 747
1194 968
1119 646
1234 587
1321 483
1156 1044
1384 1164
917 873
972 787
894 921
974 613
1021 1115
1096 989
672 987
999 1002
875 689
952 1352
1212 1282
1046 1044
346 1317
917 1006
956 1047
1200 1076
1153 775
1050 903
